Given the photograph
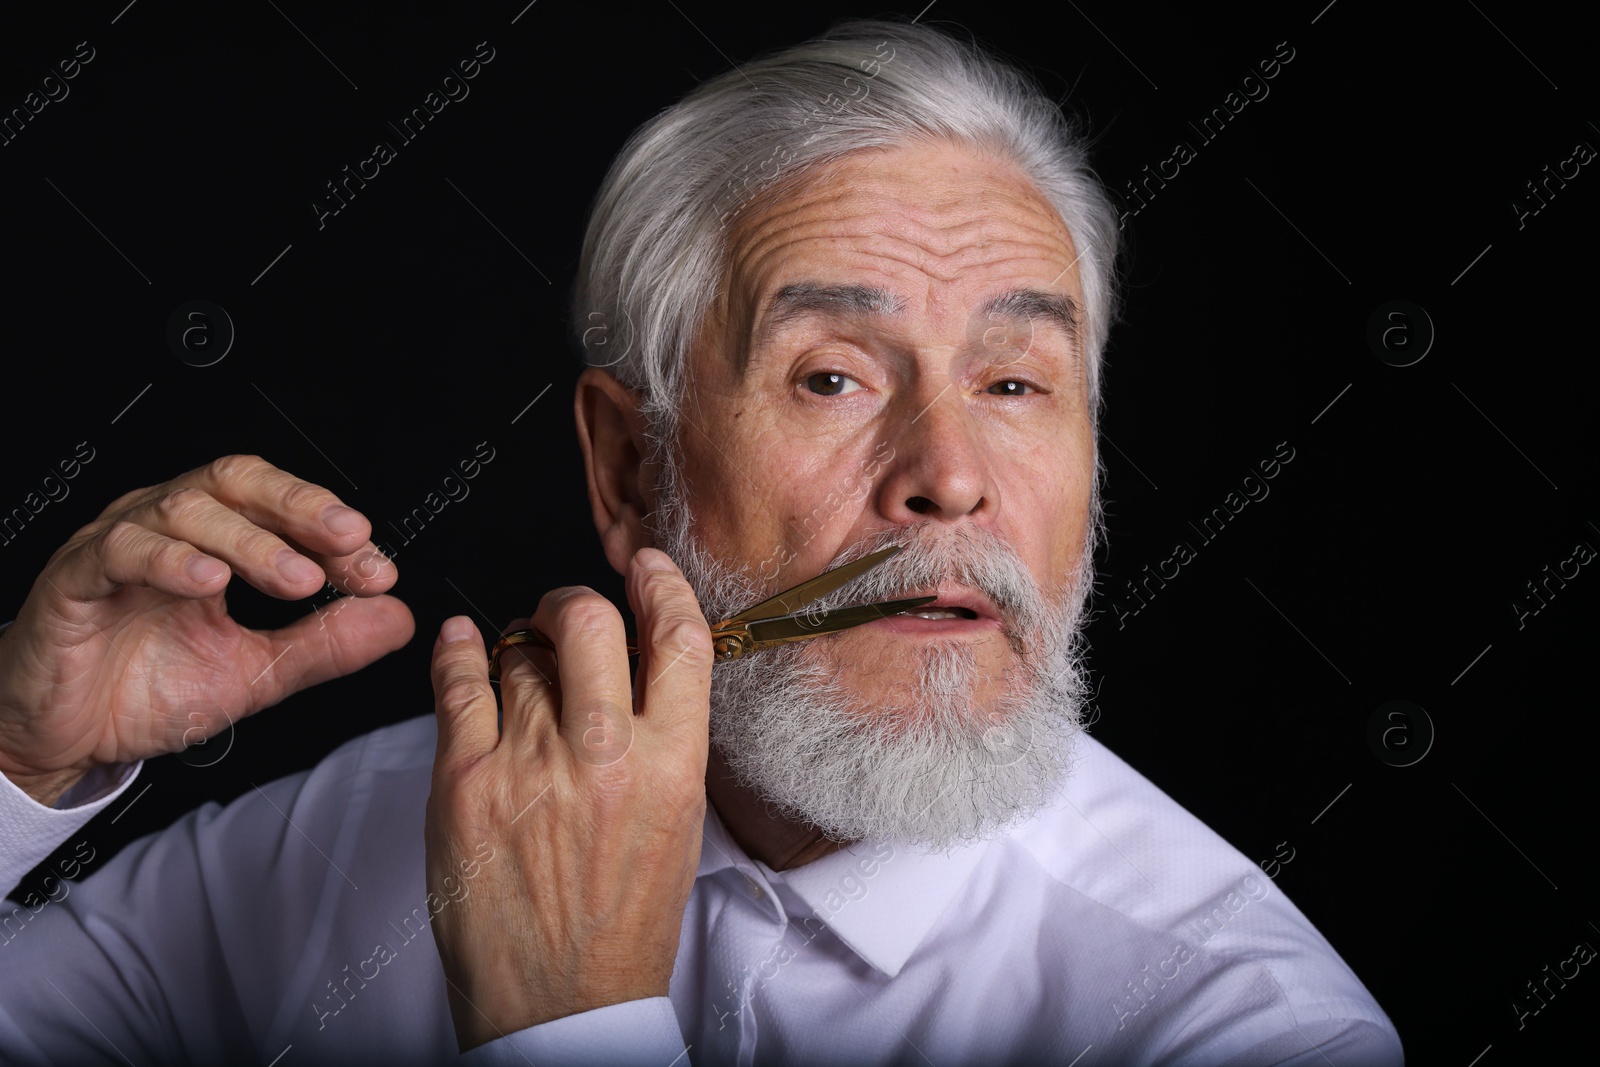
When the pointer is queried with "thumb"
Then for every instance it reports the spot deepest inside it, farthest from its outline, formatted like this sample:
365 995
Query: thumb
337 639
464 701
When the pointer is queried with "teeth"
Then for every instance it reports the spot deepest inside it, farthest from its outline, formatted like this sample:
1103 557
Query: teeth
934 614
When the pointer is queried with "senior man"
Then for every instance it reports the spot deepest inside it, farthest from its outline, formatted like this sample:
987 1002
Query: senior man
879 260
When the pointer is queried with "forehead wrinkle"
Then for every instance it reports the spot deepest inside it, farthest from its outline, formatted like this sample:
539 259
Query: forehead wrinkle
942 228
936 242
931 237
874 248
1021 298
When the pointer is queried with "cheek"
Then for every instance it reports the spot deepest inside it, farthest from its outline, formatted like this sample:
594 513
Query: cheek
793 509
740 493
821 496
1045 494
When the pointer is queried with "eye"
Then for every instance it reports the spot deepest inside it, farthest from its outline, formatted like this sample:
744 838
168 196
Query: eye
831 383
1011 387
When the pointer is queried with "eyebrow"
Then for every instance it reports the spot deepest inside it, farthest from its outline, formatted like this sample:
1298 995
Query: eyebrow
808 298
1030 304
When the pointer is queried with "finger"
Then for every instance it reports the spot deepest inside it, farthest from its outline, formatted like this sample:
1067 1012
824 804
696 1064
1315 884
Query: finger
530 699
365 572
532 657
530 686
522 666
596 717
302 512
333 641
259 556
676 656
273 564
128 500
131 554
276 500
463 699
308 517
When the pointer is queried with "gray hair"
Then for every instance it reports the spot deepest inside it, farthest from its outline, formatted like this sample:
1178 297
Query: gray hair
656 245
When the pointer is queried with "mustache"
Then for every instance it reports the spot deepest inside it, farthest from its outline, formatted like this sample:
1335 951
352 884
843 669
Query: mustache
967 556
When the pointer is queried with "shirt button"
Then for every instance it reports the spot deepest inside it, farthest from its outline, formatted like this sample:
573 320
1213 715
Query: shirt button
756 892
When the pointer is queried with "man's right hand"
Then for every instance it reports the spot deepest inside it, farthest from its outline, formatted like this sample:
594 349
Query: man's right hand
125 650
581 905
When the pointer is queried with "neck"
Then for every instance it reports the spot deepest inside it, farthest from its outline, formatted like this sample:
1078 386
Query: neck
778 842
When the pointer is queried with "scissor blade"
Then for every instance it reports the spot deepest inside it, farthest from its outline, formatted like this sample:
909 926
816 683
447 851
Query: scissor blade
793 600
767 632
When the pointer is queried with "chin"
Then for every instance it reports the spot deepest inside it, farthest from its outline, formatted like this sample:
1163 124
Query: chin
911 751
931 731
934 680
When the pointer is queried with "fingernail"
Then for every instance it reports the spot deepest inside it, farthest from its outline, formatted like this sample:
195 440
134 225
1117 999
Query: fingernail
296 567
655 560
340 519
204 569
458 628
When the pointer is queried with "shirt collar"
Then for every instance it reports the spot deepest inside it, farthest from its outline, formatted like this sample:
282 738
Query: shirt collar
719 850
880 897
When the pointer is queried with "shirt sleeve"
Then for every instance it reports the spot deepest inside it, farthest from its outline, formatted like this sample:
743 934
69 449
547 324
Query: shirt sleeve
30 831
120 966
643 1032
1347 1042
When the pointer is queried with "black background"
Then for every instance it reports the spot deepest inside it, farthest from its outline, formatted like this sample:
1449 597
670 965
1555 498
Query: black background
379 350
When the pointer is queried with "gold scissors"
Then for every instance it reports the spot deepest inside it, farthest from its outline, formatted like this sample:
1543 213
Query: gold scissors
775 621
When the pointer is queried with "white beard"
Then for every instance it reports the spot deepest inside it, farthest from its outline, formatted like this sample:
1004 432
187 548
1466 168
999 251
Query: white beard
934 770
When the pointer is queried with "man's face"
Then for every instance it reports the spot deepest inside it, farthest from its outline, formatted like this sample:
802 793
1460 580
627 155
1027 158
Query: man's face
891 355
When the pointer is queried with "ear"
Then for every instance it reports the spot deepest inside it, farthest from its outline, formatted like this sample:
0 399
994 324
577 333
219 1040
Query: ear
611 432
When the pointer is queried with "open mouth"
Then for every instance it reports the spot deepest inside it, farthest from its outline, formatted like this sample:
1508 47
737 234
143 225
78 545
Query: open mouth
936 612
958 612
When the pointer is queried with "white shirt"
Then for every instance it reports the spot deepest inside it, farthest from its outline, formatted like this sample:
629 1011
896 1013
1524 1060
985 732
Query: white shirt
1111 928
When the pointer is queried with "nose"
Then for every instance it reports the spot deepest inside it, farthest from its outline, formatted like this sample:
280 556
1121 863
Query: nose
941 466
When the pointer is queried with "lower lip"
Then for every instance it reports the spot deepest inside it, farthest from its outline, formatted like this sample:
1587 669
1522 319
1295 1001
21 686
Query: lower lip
914 626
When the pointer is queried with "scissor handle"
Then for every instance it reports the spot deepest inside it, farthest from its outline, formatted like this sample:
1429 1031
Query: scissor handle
727 646
519 637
